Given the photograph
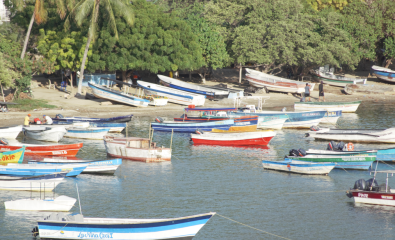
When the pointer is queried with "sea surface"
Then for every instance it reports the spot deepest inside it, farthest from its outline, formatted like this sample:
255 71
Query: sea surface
230 181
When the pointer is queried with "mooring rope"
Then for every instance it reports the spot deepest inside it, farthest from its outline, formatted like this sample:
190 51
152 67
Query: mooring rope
252 227
315 192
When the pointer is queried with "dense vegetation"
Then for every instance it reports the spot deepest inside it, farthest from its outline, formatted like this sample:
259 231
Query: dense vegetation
174 35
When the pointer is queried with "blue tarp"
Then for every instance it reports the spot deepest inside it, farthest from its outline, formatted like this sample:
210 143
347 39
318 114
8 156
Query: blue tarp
96 79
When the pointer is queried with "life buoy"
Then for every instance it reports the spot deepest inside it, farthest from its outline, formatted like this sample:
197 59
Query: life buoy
350 146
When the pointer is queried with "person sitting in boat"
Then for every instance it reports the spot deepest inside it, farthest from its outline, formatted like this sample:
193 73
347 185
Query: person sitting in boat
47 120
27 120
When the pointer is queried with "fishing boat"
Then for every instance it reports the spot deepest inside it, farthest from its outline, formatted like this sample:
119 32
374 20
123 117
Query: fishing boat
44 133
27 170
76 226
94 166
297 167
138 149
369 192
174 95
233 138
336 80
360 161
88 133
10 132
385 74
210 93
191 127
15 156
114 127
273 83
117 96
120 119
354 135
265 122
345 107
50 150
44 183
61 203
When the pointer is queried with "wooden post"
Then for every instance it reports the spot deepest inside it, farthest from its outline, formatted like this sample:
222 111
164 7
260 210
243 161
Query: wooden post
152 135
240 72
2 92
149 131
171 140
126 129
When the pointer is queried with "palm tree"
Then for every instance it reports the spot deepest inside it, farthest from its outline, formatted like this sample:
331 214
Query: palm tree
90 8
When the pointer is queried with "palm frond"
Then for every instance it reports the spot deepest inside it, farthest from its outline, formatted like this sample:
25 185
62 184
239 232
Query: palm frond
112 23
40 12
83 10
124 9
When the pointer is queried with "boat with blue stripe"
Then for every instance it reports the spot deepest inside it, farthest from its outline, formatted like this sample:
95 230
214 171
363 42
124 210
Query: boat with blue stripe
76 226
27 170
114 127
297 167
87 133
385 74
191 127
59 119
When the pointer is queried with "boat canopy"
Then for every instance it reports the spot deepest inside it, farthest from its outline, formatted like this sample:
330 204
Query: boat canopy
210 109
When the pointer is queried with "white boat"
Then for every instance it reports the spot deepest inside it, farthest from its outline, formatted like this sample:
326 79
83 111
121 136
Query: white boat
10 132
298 167
265 122
40 183
233 138
383 73
173 95
345 107
335 80
354 135
61 203
262 80
88 133
45 133
133 148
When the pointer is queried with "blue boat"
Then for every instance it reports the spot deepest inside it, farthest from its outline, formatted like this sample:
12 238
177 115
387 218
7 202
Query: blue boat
191 127
297 167
76 226
94 166
114 127
27 170
68 120
385 74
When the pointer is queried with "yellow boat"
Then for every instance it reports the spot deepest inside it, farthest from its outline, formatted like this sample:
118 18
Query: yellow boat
15 156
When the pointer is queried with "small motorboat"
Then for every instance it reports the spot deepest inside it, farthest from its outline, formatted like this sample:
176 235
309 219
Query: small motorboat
10 132
59 118
383 73
48 150
233 138
298 167
191 127
328 77
61 203
41 183
15 156
88 133
353 135
345 107
26 170
45 133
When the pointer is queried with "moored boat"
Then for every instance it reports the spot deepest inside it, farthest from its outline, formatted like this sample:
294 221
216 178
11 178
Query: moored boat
45 133
15 156
88 133
360 161
114 127
233 138
297 167
345 107
27 170
119 119
50 150
10 132
191 127
354 135
46 182
385 74
336 80
61 203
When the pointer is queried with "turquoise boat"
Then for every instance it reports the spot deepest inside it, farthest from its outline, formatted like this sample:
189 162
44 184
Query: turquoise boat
346 161
191 127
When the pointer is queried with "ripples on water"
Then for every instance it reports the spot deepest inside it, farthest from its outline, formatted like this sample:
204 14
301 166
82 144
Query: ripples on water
230 181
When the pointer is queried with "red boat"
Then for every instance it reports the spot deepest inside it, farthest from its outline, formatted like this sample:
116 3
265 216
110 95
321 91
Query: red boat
233 138
48 150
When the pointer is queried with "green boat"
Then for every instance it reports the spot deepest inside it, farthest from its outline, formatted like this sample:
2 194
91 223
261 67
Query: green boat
360 161
336 80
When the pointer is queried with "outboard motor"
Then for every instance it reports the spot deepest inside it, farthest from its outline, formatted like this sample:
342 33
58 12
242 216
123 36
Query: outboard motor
159 119
198 131
59 116
35 231
302 152
294 152
360 184
314 128
341 145
373 184
332 146
3 141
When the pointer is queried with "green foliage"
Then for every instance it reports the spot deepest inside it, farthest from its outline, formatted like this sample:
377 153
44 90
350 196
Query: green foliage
7 75
389 46
23 83
322 4
30 104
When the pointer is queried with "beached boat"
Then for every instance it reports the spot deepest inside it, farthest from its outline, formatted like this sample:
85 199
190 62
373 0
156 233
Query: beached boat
10 132
88 133
173 95
15 156
354 135
120 119
297 167
360 161
233 138
274 83
27 170
76 226
44 133
50 150
94 166
61 203
42 183
117 96
138 149
345 107
191 127
210 93
336 80
385 74
369 192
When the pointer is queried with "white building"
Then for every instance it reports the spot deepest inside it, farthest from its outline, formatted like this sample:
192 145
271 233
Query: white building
4 13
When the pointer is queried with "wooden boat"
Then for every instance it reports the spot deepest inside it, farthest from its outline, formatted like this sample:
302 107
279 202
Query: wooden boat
345 107
274 83
27 170
265 122
233 138
355 135
369 192
120 119
117 96
40 183
61 203
336 80
114 127
331 117
174 95
15 156
297 167
94 166
44 133
88 133
191 127
10 132
50 150
210 93
361 161
385 74
138 149
76 226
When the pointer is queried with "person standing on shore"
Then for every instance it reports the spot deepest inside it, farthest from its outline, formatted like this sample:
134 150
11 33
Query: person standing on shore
307 91
321 91
27 120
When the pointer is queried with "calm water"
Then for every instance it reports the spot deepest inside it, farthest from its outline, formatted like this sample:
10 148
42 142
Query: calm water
231 182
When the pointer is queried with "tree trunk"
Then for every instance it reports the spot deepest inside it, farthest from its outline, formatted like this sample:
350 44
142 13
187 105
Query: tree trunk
388 62
83 64
203 76
190 75
2 93
240 73
124 76
71 84
27 36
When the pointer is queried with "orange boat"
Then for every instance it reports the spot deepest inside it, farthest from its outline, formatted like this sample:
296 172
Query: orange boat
12 156
48 150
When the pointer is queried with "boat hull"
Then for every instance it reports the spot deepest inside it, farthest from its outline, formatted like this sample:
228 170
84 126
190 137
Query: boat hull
52 134
92 134
345 107
385 74
15 156
120 119
33 169
61 203
114 127
189 127
10 132
355 135
233 139
336 80
358 162
307 168
371 197
44 183
46 150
